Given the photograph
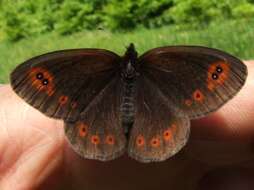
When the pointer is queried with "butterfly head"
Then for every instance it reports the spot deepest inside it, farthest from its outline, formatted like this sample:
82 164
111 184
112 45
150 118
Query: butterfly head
129 63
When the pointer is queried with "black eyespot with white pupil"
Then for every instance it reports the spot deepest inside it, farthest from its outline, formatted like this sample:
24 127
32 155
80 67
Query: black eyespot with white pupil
219 69
214 76
45 82
39 76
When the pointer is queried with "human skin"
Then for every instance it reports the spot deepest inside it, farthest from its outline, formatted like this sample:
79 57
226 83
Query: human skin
34 153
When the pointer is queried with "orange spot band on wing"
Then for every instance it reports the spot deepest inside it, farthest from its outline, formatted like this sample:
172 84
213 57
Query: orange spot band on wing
221 76
155 142
95 139
63 100
198 96
110 139
83 129
167 135
38 83
140 141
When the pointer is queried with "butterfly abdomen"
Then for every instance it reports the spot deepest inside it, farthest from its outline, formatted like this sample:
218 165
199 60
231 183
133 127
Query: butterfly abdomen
127 108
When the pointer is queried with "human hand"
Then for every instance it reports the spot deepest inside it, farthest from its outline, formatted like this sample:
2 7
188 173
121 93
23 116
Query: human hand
34 153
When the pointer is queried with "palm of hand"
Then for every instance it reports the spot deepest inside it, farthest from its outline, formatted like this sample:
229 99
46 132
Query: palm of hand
34 153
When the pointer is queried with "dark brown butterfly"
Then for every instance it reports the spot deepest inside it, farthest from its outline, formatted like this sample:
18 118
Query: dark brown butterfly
142 105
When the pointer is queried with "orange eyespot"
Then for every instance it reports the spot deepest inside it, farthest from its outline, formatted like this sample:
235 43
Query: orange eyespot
63 100
42 80
198 96
110 140
95 139
167 135
83 129
217 74
155 142
140 141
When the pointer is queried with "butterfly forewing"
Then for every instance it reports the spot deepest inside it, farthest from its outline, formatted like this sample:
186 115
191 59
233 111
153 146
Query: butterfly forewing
63 83
197 79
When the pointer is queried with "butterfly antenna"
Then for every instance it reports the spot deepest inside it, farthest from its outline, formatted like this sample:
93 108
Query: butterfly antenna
131 52
131 48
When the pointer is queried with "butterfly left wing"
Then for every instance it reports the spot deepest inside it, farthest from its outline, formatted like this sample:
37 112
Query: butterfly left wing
160 129
98 133
62 84
198 80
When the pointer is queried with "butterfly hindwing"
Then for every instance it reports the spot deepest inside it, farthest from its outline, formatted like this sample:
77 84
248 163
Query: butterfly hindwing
160 130
197 79
62 84
98 133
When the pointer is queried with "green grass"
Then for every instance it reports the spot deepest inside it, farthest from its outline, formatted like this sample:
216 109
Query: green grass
235 37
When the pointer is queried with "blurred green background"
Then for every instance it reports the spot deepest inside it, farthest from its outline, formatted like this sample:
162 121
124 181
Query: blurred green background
33 27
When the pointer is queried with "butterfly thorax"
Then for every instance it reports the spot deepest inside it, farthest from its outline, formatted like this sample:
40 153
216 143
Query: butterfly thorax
129 75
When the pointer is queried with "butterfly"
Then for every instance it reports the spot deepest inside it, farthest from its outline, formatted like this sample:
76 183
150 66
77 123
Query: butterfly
143 105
